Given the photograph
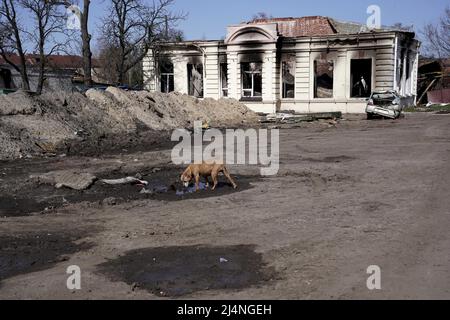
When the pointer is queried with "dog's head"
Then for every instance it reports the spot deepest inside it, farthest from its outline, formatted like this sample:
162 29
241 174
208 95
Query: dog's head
186 177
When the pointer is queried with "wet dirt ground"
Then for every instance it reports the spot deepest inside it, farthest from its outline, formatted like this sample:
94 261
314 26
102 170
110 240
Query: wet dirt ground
347 196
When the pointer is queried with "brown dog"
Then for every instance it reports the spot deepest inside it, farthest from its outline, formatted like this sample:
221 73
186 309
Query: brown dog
205 170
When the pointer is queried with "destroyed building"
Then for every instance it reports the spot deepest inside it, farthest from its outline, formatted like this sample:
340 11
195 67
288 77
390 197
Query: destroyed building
308 64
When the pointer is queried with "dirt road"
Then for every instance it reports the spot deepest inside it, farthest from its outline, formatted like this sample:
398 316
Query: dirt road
347 196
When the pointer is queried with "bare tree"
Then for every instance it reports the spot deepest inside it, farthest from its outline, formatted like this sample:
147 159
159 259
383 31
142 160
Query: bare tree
49 22
85 35
108 59
133 27
11 40
437 37
86 40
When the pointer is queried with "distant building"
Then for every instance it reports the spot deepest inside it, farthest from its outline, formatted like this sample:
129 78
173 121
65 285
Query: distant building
307 64
434 81
63 72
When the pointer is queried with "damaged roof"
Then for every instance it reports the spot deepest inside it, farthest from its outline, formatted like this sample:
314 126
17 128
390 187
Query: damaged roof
316 26
53 61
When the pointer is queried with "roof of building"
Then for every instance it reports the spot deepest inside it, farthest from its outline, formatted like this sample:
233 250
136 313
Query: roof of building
54 61
317 26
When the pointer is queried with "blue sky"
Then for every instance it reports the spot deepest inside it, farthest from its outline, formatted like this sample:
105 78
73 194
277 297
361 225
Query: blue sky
209 18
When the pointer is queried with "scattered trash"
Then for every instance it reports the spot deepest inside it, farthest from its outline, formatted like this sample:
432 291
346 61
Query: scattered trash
293 117
192 189
127 180
159 189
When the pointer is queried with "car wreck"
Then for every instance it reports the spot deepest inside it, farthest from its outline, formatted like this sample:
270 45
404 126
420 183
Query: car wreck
388 104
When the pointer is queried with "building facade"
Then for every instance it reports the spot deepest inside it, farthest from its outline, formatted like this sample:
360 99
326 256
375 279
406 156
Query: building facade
309 64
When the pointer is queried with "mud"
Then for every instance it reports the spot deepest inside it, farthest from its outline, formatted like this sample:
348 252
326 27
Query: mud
178 271
349 196
164 185
36 251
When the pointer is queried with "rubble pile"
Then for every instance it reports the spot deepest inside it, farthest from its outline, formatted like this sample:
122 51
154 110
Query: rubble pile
56 121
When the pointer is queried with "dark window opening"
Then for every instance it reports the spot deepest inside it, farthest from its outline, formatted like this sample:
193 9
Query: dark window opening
361 78
224 79
6 79
288 78
195 80
323 78
251 79
167 77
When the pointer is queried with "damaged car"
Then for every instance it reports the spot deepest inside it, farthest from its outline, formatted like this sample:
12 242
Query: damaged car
388 104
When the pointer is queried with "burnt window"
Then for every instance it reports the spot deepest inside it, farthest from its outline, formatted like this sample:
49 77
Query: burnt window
167 77
224 79
361 78
288 77
251 79
323 78
195 80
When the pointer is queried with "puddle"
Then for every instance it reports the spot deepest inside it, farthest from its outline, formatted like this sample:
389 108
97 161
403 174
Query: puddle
179 271
163 185
11 206
31 252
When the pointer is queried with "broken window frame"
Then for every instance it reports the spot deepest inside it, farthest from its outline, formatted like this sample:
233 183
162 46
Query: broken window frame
169 76
330 63
253 75
223 73
368 79
191 87
285 60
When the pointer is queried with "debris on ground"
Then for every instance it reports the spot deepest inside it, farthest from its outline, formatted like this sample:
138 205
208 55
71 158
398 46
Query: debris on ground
291 117
111 201
66 179
127 180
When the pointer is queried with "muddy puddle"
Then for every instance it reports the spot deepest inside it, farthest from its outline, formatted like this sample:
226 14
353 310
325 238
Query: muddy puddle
179 271
164 185
31 252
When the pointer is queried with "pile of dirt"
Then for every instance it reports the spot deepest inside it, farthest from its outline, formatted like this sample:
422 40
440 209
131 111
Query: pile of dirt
61 122
161 111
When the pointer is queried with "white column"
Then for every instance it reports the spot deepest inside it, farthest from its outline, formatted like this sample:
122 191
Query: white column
180 74
233 76
149 72
268 76
212 80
